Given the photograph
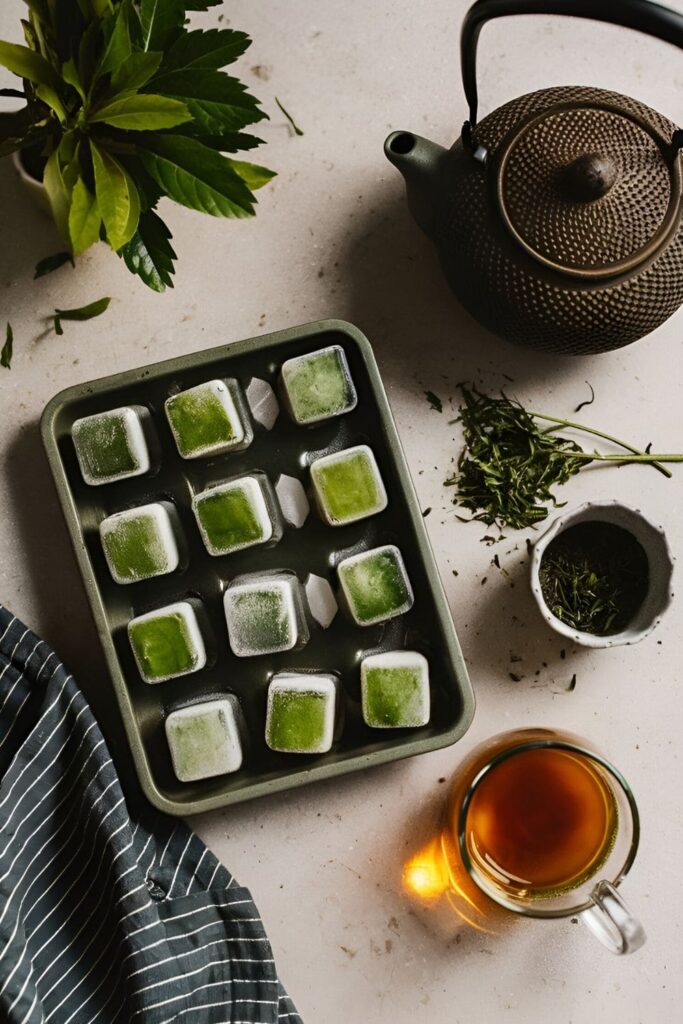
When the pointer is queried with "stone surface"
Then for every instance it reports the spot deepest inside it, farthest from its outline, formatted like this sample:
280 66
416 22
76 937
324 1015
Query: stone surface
333 237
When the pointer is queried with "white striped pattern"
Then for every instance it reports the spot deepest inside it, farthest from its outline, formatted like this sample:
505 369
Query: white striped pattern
107 918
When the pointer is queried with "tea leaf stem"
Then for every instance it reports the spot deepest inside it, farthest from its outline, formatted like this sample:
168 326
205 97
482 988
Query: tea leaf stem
640 457
606 437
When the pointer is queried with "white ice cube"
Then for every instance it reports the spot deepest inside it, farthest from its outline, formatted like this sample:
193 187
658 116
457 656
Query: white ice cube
301 712
321 600
167 642
264 614
237 514
111 445
263 403
139 543
395 690
204 739
293 501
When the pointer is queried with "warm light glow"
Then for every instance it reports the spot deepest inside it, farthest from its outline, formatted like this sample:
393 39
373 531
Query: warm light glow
426 874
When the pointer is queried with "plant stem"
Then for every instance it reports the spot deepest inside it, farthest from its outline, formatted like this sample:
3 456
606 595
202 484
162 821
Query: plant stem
615 440
640 457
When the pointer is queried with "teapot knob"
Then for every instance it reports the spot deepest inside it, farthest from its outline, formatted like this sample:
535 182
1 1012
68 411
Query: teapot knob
590 176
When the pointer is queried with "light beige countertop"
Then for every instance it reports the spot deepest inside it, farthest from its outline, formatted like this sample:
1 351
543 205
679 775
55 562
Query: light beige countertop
333 238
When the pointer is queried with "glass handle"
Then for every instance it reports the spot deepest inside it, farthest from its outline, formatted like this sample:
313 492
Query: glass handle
610 920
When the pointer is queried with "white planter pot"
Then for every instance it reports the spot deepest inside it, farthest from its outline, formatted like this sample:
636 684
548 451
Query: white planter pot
35 189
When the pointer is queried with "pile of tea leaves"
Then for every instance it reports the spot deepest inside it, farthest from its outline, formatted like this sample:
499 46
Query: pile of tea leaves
594 577
513 458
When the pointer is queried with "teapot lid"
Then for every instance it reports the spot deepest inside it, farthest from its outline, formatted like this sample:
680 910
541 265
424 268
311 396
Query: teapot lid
590 191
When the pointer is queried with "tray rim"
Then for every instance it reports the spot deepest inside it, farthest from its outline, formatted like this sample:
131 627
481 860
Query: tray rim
316 772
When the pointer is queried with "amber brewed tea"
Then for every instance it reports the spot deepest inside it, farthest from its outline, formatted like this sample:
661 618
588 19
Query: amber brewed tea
541 822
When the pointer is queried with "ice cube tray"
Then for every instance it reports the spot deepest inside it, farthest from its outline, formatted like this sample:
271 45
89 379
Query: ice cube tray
315 548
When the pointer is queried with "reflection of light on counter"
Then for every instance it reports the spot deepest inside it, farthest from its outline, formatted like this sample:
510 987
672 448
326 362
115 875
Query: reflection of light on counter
431 874
425 874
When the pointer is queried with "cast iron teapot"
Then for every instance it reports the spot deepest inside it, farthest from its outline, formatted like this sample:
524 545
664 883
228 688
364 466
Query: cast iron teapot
557 217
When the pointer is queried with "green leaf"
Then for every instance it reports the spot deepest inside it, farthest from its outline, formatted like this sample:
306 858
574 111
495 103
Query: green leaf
294 126
147 187
7 348
217 102
71 76
196 176
158 19
88 312
213 49
135 71
84 218
58 193
201 5
20 128
118 46
142 112
50 263
149 253
26 63
117 197
253 175
227 142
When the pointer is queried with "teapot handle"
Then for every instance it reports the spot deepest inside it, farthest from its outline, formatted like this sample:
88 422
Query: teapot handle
642 15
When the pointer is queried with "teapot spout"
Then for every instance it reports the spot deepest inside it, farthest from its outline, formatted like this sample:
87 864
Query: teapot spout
421 163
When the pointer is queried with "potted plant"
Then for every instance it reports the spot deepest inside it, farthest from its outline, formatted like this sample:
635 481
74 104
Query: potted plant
125 104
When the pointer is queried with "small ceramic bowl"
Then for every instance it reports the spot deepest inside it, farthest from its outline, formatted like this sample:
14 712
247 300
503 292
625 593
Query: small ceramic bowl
661 565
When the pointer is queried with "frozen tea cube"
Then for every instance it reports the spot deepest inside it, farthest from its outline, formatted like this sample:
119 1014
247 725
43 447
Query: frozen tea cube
395 690
301 711
293 501
263 404
235 515
167 642
348 485
112 445
208 419
318 385
141 542
376 585
264 614
322 603
205 739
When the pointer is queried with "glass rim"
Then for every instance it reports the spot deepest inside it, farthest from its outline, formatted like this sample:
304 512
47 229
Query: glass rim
531 909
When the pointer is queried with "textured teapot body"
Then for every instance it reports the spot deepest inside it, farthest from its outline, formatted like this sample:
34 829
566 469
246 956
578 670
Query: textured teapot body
528 300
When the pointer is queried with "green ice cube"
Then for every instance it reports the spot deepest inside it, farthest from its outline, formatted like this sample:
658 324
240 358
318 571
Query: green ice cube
207 420
375 585
111 445
234 515
348 485
318 385
205 739
140 542
167 642
395 690
264 615
300 716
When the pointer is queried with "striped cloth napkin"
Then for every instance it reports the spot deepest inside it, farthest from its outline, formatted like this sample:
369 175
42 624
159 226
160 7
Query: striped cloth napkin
106 915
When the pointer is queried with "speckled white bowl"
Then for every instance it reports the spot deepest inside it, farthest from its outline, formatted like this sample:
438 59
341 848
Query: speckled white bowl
661 563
